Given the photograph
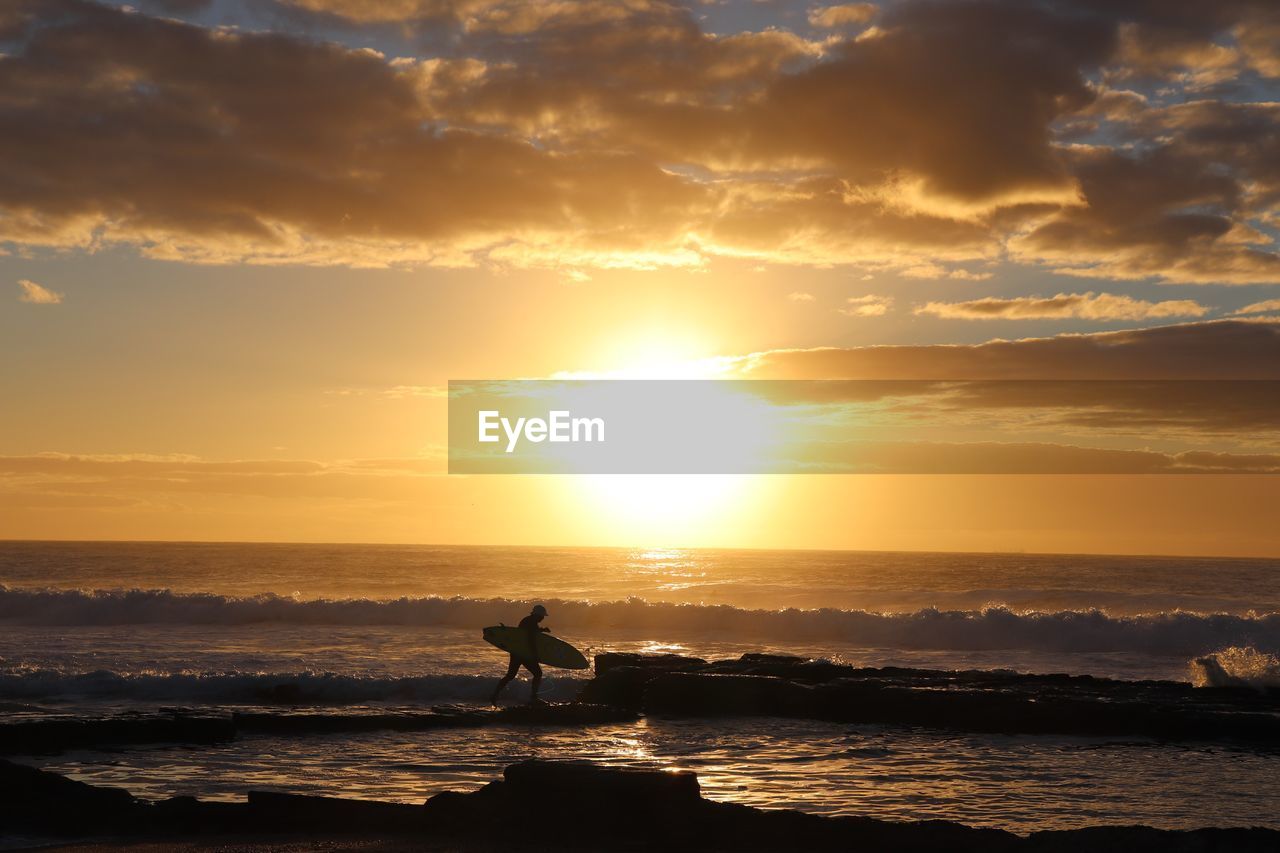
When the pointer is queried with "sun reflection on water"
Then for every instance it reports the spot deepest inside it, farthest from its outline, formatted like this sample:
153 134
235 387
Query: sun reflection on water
1016 783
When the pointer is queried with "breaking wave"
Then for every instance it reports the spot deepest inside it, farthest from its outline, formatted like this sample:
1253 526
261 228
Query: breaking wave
993 627
302 688
1236 667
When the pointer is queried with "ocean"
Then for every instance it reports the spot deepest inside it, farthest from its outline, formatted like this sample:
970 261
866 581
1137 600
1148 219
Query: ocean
105 629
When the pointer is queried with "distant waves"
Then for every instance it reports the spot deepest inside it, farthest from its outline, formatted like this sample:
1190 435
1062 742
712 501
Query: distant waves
1176 633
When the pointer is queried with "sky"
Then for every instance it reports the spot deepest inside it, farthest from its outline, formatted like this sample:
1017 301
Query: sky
244 245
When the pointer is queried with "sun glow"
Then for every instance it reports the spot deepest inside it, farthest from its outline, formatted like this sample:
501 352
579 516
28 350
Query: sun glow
656 356
665 509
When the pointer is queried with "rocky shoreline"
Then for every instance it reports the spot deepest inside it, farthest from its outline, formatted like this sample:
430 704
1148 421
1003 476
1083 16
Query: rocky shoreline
609 808
627 686
974 701
591 808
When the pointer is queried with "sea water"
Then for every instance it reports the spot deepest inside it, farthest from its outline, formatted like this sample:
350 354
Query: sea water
99 628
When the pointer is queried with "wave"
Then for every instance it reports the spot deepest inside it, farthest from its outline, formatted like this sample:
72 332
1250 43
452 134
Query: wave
1048 598
1175 633
1237 667
302 688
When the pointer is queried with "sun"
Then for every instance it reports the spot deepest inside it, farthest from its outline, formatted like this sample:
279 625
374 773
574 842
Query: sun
655 354
663 509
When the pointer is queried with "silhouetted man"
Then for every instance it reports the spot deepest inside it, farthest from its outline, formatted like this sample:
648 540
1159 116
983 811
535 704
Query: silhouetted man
530 624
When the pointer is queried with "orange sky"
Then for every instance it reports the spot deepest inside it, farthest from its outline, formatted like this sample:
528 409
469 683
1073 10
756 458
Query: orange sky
246 246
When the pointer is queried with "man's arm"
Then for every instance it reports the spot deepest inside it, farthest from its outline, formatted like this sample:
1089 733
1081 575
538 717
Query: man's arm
533 643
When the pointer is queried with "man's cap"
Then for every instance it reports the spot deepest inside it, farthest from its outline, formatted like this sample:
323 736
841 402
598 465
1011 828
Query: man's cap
539 610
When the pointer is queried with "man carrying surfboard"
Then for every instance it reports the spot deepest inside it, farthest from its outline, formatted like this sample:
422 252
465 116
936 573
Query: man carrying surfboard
531 624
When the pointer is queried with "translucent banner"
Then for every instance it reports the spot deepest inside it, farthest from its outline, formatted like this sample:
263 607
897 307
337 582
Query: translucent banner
863 426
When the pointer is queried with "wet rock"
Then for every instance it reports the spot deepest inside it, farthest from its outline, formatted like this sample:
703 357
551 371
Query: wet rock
189 816
664 663
790 667
296 812
1017 712
554 780
980 701
1144 839
40 800
51 734
628 809
701 694
621 686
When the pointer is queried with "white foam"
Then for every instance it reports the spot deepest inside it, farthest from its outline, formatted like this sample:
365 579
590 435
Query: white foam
1174 633
1236 666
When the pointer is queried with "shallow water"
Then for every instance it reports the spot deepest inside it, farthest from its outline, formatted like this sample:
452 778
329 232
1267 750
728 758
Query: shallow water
1018 783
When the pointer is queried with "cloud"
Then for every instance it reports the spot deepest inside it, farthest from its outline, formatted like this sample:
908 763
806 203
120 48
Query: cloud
393 392
936 271
833 17
1246 412
1089 306
1167 211
867 306
994 457
583 134
1215 349
146 465
37 295
1260 43
271 149
799 296
1143 385
1258 307
135 478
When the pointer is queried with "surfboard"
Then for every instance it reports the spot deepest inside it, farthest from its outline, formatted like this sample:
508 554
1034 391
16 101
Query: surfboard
552 651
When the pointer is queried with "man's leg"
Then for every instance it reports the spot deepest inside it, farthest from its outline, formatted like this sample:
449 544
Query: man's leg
537 680
512 668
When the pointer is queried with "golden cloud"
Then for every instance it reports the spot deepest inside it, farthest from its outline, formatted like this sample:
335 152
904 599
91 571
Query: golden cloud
832 17
870 305
37 294
1259 307
1088 306
597 134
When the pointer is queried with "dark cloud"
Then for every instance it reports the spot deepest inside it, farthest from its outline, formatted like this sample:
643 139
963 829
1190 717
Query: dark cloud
1176 211
1248 410
1217 381
989 457
1238 412
1224 349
